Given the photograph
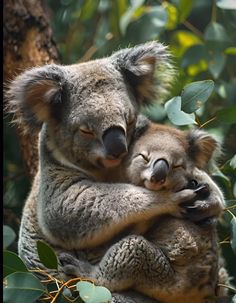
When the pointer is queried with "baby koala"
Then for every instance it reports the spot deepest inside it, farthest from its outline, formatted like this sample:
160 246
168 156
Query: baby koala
175 260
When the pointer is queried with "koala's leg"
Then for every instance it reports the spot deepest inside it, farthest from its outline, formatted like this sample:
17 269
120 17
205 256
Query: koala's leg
131 261
131 297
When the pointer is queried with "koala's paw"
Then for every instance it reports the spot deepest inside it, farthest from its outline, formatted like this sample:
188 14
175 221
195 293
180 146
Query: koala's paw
184 196
180 198
205 206
71 266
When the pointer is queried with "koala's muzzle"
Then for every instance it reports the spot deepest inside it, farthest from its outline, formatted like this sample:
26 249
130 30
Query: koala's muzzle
160 171
114 141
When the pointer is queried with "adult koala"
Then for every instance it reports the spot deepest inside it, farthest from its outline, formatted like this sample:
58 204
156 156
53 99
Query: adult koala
87 114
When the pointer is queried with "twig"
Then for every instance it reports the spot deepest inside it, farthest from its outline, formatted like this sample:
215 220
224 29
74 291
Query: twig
193 29
225 242
227 286
213 12
230 207
207 122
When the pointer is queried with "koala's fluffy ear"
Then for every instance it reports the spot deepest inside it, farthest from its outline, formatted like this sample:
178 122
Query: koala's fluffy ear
202 148
35 96
147 68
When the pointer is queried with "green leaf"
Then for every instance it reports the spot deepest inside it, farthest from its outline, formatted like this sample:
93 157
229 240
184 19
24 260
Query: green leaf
233 162
227 115
126 18
195 94
21 288
193 55
174 113
230 51
8 236
88 9
12 263
216 63
149 25
233 234
226 4
172 15
185 7
91 293
216 32
46 255
155 112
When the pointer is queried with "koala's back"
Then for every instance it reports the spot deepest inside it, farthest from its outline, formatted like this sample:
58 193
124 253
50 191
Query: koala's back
192 252
29 229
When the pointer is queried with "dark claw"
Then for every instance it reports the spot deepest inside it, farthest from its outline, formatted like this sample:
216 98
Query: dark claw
191 207
187 204
202 192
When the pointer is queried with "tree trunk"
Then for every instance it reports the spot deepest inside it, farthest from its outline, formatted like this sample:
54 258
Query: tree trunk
27 42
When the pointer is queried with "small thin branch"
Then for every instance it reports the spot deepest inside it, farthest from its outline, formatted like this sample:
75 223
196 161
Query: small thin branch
227 286
198 120
230 207
225 242
193 29
207 122
88 55
213 12
231 213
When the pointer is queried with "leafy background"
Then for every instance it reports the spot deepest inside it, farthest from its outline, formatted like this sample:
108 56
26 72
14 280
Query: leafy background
202 38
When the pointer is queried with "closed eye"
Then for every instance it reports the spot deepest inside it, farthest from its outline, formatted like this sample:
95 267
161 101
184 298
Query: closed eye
144 157
178 166
86 132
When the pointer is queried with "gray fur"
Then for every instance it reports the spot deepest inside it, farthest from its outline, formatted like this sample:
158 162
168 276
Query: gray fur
69 206
176 260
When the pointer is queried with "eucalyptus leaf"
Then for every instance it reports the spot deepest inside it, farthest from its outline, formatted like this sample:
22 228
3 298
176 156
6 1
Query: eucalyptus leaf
233 299
216 32
216 63
126 18
8 236
233 234
22 287
226 4
88 9
233 162
175 115
185 7
195 94
12 263
46 255
230 50
193 55
149 26
91 293
172 16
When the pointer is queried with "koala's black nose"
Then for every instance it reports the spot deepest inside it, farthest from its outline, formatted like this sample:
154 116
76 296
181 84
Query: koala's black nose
114 141
160 170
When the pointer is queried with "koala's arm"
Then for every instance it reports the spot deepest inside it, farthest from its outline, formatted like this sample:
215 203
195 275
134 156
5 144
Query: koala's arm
85 214
131 262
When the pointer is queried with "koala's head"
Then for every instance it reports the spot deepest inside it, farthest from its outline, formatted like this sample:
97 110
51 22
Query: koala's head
163 157
89 110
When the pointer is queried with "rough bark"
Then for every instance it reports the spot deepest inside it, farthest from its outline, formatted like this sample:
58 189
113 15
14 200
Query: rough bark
27 42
